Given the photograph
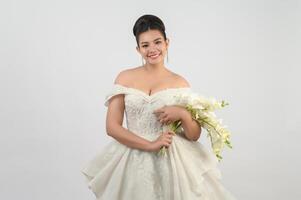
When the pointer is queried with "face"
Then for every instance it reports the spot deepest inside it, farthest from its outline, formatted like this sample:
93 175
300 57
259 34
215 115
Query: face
152 46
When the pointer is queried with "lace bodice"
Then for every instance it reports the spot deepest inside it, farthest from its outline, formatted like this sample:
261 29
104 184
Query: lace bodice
139 107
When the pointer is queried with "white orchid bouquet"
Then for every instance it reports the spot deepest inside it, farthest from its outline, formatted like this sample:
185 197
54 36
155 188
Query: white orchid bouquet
202 110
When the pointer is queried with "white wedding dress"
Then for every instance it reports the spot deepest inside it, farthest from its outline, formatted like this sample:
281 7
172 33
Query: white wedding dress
188 171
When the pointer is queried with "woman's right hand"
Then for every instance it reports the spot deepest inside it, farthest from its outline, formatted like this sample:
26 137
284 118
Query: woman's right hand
164 139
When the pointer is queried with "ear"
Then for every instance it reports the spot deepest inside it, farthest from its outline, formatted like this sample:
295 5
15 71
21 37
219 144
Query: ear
167 42
138 49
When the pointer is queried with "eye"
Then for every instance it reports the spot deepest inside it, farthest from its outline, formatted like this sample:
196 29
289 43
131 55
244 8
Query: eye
144 46
158 42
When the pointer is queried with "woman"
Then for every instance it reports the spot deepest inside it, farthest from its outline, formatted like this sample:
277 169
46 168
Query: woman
129 167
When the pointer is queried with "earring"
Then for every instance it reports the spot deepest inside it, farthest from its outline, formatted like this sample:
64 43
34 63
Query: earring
167 56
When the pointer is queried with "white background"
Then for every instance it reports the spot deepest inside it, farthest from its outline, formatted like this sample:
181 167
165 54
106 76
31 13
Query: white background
59 58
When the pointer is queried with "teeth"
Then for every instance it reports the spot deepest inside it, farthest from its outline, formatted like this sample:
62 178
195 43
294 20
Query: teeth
154 56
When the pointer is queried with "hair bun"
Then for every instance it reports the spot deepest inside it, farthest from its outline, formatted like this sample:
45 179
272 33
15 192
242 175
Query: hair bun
147 22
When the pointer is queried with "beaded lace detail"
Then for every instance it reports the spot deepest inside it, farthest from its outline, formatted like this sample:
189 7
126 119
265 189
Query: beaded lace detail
139 107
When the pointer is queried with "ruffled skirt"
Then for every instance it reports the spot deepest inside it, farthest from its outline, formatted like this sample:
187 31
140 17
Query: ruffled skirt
188 171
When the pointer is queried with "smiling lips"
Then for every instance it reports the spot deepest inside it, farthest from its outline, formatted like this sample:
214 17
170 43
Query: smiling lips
154 56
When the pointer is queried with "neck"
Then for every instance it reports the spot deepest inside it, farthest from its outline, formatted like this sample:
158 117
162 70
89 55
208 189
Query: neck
155 68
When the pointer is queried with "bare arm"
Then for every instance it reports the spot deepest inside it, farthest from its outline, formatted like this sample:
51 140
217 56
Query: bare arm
114 120
191 128
115 129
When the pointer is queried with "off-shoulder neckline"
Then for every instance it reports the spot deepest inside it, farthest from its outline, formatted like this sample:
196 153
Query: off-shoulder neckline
153 94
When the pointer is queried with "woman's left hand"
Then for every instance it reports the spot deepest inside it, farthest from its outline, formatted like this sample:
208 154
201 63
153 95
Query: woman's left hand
168 114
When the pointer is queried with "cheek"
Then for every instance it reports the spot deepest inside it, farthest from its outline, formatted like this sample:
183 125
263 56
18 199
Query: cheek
163 50
144 53
161 46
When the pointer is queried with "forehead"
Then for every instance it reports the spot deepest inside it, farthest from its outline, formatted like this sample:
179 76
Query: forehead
150 36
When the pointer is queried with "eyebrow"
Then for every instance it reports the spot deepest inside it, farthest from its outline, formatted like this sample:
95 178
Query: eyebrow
154 40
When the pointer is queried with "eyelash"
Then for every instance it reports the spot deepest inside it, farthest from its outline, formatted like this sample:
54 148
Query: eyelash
156 43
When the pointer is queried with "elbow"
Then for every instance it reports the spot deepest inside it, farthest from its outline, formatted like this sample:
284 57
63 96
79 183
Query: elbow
108 131
193 137
111 128
196 136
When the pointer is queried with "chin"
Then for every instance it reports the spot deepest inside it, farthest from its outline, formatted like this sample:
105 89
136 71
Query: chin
155 61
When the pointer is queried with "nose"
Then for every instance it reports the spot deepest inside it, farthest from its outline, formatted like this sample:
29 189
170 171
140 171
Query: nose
153 50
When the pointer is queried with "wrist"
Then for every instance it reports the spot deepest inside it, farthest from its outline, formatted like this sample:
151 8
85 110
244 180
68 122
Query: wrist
148 146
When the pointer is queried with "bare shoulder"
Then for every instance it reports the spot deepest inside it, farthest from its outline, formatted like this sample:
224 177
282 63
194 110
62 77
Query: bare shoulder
180 81
125 76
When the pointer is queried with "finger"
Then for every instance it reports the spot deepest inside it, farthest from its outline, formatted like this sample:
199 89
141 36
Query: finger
171 133
167 133
163 114
165 119
168 137
160 110
159 116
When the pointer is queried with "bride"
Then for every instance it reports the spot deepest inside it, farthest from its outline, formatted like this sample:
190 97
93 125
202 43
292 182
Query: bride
129 168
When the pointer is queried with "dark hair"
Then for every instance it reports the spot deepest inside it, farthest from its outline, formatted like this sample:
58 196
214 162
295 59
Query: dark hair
147 22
